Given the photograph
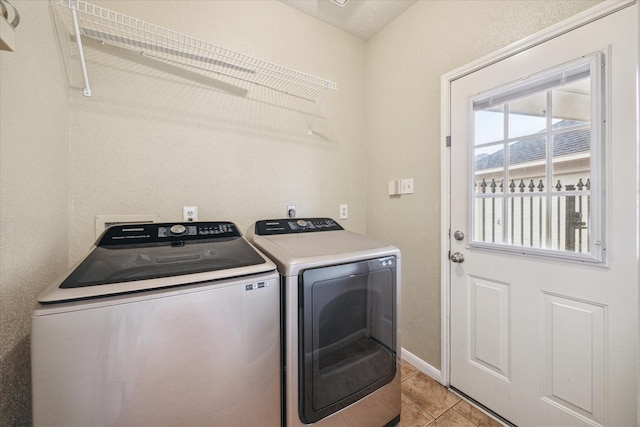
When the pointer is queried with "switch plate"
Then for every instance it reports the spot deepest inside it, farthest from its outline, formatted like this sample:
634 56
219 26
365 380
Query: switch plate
344 211
406 186
189 213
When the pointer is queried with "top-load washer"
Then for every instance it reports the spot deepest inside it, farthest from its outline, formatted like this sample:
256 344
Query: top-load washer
341 362
161 324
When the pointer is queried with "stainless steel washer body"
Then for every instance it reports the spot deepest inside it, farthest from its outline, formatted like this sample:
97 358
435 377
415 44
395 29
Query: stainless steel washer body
161 324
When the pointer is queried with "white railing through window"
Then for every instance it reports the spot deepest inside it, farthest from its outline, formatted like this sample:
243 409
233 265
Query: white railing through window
526 221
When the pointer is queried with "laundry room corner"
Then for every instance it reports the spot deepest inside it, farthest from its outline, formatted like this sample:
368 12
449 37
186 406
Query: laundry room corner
157 135
403 136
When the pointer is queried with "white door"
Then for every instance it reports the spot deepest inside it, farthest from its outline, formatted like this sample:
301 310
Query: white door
544 236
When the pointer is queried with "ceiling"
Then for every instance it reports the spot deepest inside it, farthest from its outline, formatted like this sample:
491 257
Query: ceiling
361 18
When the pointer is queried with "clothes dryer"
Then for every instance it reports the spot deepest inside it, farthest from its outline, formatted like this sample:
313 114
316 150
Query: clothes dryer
161 324
341 299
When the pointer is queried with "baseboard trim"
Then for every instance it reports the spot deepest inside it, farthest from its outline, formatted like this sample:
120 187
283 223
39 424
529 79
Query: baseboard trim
423 366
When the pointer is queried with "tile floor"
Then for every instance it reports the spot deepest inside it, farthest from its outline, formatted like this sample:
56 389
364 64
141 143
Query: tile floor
426 402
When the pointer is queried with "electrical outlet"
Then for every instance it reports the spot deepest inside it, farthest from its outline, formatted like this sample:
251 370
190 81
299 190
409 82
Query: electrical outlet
189 213
344 211
291 211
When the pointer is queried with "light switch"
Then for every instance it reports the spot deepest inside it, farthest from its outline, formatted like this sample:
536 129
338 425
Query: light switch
406 186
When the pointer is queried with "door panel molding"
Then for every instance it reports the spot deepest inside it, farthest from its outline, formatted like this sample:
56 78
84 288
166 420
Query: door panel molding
489 313
575 363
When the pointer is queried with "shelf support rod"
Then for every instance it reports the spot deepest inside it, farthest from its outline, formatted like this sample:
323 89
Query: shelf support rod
317 113
76 27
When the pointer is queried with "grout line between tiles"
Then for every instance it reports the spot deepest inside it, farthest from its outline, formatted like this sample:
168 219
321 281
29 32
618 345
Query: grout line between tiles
414 372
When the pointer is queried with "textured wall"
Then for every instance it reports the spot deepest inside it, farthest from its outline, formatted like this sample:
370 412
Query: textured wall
403 67
154 137
34 123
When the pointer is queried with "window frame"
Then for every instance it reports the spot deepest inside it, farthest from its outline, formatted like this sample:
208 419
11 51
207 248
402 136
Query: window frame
597 226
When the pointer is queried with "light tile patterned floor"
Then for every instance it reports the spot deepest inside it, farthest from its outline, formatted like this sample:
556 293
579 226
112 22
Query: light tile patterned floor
426 402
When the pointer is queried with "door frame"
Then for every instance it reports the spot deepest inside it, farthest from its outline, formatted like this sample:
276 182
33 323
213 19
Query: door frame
592 14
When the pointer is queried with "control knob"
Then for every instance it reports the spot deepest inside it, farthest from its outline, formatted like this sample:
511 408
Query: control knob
178 229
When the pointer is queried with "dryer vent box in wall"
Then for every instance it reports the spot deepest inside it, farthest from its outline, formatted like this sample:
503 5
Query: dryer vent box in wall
105 221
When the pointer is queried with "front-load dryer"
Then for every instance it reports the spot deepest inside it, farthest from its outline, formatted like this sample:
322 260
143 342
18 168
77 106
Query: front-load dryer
160 325
341 292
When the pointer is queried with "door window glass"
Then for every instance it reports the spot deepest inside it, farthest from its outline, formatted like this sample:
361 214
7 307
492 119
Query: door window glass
536 164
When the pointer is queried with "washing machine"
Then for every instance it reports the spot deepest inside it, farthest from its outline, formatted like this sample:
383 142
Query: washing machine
160 325
340 321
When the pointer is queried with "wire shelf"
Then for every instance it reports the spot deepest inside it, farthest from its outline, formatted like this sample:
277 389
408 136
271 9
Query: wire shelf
152 40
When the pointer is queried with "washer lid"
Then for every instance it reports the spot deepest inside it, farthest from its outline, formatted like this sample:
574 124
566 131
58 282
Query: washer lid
146 256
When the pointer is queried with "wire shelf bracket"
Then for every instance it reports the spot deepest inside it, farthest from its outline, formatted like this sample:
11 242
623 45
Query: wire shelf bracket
116 29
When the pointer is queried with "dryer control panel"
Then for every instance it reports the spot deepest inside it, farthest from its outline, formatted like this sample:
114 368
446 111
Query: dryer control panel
295 225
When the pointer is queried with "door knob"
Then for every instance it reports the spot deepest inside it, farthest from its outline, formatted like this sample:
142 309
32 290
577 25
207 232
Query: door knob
458 235
457 257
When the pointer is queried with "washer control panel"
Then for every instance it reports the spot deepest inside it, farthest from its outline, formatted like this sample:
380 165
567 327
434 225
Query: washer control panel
167 232
293 225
